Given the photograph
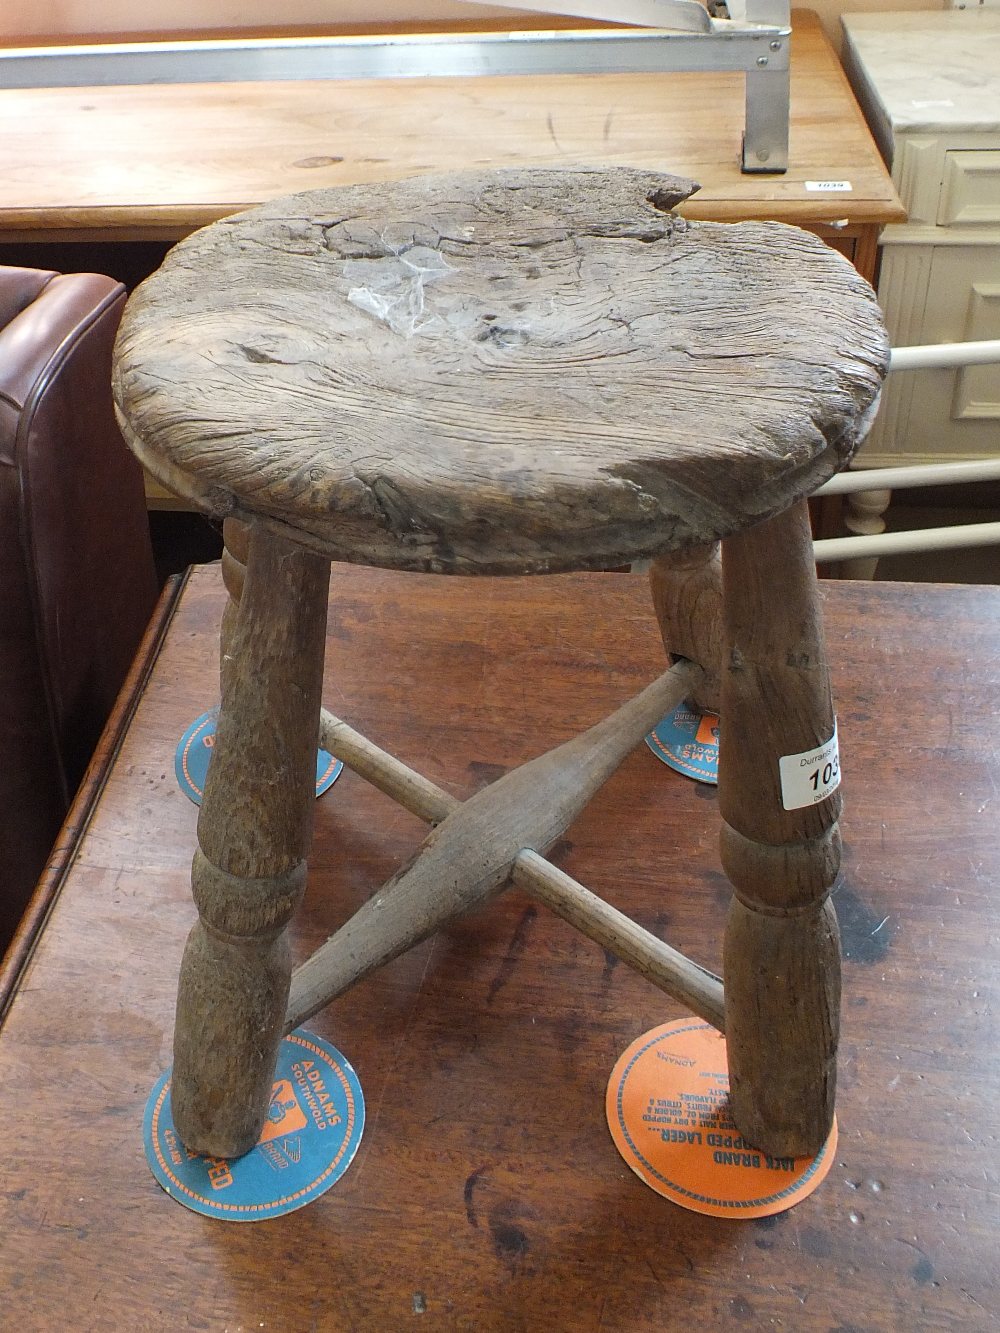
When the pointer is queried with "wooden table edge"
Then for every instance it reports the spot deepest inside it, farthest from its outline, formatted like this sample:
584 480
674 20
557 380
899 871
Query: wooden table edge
85 802
170 223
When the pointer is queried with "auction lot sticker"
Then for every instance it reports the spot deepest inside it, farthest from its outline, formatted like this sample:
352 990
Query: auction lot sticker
311 1134
668 1111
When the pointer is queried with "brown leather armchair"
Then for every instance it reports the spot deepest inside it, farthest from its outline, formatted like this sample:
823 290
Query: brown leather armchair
77 583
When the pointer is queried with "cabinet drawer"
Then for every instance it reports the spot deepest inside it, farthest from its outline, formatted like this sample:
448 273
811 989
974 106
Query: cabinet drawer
970 191
939 294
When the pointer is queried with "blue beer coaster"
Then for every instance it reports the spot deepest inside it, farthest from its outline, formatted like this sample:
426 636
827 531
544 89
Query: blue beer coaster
312 1132
195 750
689 742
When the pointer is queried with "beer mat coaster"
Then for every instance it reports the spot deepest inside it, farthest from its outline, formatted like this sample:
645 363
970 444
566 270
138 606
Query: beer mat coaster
195 751
312 1132
668 1111
689 742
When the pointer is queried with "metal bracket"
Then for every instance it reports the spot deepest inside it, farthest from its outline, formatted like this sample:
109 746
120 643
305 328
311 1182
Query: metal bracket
756 45
764 24
683 15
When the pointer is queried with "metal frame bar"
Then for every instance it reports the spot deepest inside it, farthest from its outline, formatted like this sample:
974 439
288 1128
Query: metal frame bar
907 478
943 356
687 15
832 550
391 56
935 356
759 51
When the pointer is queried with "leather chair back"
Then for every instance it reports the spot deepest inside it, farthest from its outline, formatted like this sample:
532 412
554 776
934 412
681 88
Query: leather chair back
77 583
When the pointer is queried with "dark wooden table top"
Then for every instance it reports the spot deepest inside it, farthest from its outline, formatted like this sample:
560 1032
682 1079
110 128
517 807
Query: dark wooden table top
487 1192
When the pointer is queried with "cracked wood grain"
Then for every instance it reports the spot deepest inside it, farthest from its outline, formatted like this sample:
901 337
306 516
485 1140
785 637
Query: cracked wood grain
564 373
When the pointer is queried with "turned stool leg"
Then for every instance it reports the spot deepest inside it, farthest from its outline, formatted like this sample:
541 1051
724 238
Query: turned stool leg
782 951
687 596
236 536
249 872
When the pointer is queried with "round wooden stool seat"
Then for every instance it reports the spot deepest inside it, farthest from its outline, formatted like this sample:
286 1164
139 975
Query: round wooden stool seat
498 372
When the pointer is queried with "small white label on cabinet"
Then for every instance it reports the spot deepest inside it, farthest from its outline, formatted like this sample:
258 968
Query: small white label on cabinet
829 187
810 777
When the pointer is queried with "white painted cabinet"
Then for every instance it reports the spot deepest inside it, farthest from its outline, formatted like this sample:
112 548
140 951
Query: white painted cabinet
929 84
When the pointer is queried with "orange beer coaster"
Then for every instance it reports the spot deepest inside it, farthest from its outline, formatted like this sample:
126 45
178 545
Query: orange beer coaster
311 1134
668 1111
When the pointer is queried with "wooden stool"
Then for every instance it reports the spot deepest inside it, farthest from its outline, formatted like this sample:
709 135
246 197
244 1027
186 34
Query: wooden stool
496 373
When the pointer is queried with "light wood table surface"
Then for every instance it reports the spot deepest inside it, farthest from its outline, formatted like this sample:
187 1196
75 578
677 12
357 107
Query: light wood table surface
487 1189
155 162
